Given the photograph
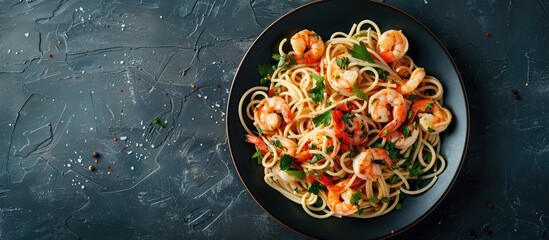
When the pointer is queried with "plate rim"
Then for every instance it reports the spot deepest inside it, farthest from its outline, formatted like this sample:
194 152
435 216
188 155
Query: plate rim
463 92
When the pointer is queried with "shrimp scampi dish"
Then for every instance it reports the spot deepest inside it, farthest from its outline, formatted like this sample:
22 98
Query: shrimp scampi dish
346 125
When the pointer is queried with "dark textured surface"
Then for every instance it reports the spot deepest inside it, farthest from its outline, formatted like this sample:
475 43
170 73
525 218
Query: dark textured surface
73 74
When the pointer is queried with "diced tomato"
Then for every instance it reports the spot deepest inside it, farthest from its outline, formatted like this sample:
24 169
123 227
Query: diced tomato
317 68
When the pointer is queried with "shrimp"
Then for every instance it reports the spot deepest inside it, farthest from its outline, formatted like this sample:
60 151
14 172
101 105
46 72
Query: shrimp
379 111
402 142
364 165
432 117
339 199
265 114
392 45
348 127
415 79
308 47
342 80
258 142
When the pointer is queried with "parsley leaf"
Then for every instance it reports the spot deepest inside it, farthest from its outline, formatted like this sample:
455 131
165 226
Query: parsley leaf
266 71
405 131
430 130
286 162
296 173
316 187
413 96
361 52
355 198
359 93
316 158
330 149
398 206
374 199
428 106
324 118
276 143
385 200
342 62
258 155
317 93
352 154
347 118
393 179
382 73
416 170
360 211
393 152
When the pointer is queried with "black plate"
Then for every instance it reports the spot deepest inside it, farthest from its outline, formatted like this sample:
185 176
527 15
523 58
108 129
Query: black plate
325 18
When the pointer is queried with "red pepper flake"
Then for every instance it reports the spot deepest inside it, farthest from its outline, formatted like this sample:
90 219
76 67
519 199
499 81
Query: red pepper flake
271 92
317 68
109 167
487 34
122 90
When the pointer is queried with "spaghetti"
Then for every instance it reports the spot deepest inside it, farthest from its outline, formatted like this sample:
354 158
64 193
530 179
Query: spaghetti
349 126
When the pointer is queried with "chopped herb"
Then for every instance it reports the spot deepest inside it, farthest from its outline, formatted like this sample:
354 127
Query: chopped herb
361 52
258 131
286 162
330 149
317 93
377 143
324 118
386 131
258 155
266 71
158 121
385 200
429 106
374 199
359 93
282 61
296 173
276 143
415 125
358 35
405 131
394 166
413 96
316 187
393 179
352 154
347 118
418 182
318 202
382 73
430 130
355 198
404 164
276 57
416 170
409 114
398 206
373 101
316 158
393 152
428 157
342 62
360 211
313 147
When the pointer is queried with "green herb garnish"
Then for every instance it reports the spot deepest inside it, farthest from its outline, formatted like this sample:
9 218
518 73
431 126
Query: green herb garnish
324 118
286 162
360 51
355 198
359 93
342 63
317 93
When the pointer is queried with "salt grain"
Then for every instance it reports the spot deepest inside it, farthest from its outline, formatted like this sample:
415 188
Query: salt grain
26 34
123 138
